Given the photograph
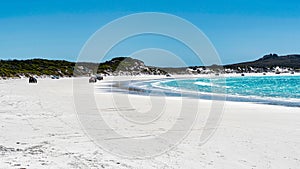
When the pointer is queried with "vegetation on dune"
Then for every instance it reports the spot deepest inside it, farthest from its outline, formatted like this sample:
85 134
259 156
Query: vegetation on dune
40 67
129 66
17 68
120 64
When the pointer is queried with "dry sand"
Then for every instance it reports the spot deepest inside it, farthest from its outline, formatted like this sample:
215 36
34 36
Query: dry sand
40 129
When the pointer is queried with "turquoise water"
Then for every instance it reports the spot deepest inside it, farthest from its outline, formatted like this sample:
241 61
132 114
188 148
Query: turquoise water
264 86
275 90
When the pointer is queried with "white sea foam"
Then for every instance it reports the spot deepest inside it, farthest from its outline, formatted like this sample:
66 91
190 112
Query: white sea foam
204 84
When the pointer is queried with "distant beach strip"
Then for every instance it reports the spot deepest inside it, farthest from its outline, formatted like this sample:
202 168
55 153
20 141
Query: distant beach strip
273 90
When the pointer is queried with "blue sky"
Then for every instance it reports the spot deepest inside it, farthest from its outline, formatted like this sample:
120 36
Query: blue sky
240 30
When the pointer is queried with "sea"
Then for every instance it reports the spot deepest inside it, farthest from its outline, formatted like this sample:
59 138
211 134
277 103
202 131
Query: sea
274 90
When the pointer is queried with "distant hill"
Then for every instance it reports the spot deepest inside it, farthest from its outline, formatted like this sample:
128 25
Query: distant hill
126 66
271 60
119 66
122 64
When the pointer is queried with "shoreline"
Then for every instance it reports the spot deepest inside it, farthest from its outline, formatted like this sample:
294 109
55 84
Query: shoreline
110 80
161 76
132 85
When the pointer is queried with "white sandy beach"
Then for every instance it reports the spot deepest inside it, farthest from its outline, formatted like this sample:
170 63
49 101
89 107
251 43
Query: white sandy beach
40 129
